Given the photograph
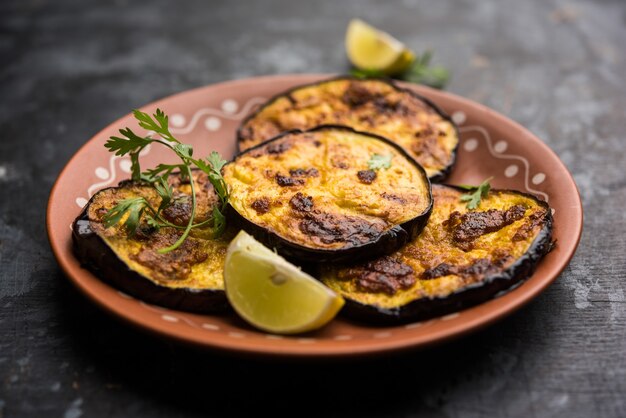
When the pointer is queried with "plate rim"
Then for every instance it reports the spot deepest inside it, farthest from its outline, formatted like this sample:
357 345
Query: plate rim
350 349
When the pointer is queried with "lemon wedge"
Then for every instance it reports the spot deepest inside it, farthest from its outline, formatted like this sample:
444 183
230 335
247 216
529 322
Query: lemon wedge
272 294
371 49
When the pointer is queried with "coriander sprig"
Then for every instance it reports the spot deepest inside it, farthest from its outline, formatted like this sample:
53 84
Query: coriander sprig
378 161
420 71
131 210
477 193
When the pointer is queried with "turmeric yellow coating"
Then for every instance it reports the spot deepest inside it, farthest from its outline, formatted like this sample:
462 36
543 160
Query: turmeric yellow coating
436 246
197 264
304 185
372 106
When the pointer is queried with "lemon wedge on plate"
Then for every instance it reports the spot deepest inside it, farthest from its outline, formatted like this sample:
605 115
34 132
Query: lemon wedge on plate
272 294
371 49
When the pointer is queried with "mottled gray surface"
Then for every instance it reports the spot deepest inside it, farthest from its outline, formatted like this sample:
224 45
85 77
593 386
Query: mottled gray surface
66 70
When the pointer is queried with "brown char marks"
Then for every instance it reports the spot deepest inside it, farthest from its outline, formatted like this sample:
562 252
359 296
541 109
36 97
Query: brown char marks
385 275
393 197
174 265
278 147
261 206
301 172
178 212
366 176
469 226
287 181
535 219
301 203
297 177
329 228
357 95
478 268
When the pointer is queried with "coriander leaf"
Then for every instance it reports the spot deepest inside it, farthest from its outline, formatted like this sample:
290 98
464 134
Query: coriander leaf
130 211
479 192
165 192
358 73
158 123
219 222
215 159
421 72
153 222
132 208
466 186
378 161
162 119
131 142
146 121
184 150
214 170
152 174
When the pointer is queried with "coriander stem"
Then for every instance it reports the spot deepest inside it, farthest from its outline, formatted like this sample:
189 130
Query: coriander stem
183 237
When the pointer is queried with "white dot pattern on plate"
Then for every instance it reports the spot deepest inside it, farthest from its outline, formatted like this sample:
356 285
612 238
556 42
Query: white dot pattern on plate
230 106
102 173
538 178
212 123
500 146
343 337
459 117
169 318
177 120
125 165
450 316
470 144
511 170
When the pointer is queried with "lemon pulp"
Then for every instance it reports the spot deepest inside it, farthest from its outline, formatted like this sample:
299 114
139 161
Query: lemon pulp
272 294
371 49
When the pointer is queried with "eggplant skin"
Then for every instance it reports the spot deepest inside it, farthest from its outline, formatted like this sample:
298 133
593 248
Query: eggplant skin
377 106
489 287
335 190
98 258
184 293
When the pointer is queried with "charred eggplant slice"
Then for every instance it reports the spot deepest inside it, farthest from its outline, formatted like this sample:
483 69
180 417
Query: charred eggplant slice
189 278
376 106
329 194
462 258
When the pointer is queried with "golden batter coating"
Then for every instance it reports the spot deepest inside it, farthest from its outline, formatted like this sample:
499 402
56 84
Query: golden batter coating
318 189
374 106
197 264
457 250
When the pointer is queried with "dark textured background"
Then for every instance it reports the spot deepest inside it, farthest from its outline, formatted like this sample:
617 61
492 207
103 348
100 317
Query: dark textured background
68 69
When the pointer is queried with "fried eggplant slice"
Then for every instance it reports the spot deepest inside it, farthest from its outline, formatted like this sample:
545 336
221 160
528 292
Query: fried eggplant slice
329 194
376 106
462 257
189 278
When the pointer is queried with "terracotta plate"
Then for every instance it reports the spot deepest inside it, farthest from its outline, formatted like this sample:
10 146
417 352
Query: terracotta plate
491 145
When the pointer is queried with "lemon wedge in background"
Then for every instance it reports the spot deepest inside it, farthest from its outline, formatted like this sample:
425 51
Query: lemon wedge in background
272 294
371 49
